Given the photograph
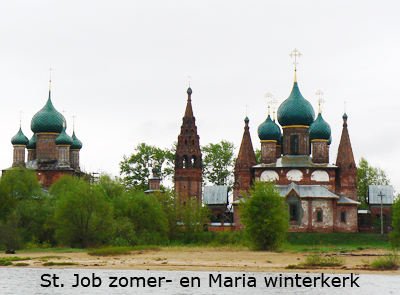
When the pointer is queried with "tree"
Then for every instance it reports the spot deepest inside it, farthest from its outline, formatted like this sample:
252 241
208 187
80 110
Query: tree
368 175
395 234
218 163
17 184
146 216
265 216
136 168
83 212
257 152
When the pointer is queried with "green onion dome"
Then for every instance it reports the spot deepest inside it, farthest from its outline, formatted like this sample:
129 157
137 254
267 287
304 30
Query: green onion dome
76 144
32 142
269 130
19 138
64 138
330 140
48 119
189 90
295 110
319 129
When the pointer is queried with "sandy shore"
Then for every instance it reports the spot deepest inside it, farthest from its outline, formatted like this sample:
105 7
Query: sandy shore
203 259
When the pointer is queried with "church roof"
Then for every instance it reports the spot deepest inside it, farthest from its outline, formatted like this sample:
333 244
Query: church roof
246 157
76 144
319 129
307 191
32 142
269 130
48 119
63 138
345 158
20 138
295 110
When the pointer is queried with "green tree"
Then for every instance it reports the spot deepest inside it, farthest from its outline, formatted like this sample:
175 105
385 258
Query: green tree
136 168
368 175
83 212
145 215
265 216
17 184
395 234
218 163
257 152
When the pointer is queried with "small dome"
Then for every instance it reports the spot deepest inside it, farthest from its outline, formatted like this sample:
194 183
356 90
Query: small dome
64 138
76 144
246 120
295 110
319 129
19 138
269 130
48 119
189 91
32 142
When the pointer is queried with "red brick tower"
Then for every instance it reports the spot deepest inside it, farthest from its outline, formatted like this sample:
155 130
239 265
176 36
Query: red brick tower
188 162
346 179
243 168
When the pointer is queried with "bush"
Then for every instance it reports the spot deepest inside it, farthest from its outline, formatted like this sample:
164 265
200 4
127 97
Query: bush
385 263
265 217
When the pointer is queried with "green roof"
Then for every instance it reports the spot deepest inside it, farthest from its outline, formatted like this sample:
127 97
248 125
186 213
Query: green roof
76 144
20 138
295 110
48 119
269 130
64 138
32 142
319 129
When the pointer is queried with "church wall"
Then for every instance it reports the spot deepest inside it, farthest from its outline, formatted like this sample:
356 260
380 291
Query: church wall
303 143
19 155
326 225
313 176
46 147
351 224
48 177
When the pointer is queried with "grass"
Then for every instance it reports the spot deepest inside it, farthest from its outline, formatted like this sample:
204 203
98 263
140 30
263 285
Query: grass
316 260
343 242
51 263
4 261
388 262
47 257
111 251
56 249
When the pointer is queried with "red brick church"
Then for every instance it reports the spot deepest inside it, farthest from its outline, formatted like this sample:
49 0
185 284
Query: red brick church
51 151
320 197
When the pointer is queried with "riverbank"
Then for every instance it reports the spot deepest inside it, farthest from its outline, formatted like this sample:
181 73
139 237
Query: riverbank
203 259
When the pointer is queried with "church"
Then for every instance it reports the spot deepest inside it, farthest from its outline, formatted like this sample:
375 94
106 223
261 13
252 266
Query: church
320 197
51 151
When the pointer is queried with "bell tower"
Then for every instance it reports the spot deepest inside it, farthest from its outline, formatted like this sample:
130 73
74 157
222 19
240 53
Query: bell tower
188 162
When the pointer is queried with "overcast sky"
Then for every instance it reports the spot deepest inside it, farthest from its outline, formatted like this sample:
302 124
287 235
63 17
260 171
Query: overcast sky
122 67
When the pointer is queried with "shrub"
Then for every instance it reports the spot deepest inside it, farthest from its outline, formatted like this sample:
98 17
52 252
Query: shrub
265 217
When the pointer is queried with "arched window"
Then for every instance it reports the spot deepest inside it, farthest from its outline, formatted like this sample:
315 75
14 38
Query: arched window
185 141
193 161
320 215
185 163
343 216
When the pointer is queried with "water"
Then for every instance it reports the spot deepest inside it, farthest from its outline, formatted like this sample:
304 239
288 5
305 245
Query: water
23 281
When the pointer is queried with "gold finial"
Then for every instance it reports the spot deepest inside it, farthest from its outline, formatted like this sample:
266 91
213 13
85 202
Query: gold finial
190 80
296 54
247 108
20 118
344 106
274 104
50 78
269 96
319 94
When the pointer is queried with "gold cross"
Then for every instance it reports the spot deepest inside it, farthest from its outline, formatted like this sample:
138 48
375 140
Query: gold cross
319 93
274 104
190 79
344 106
73 123
296 54
247 109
